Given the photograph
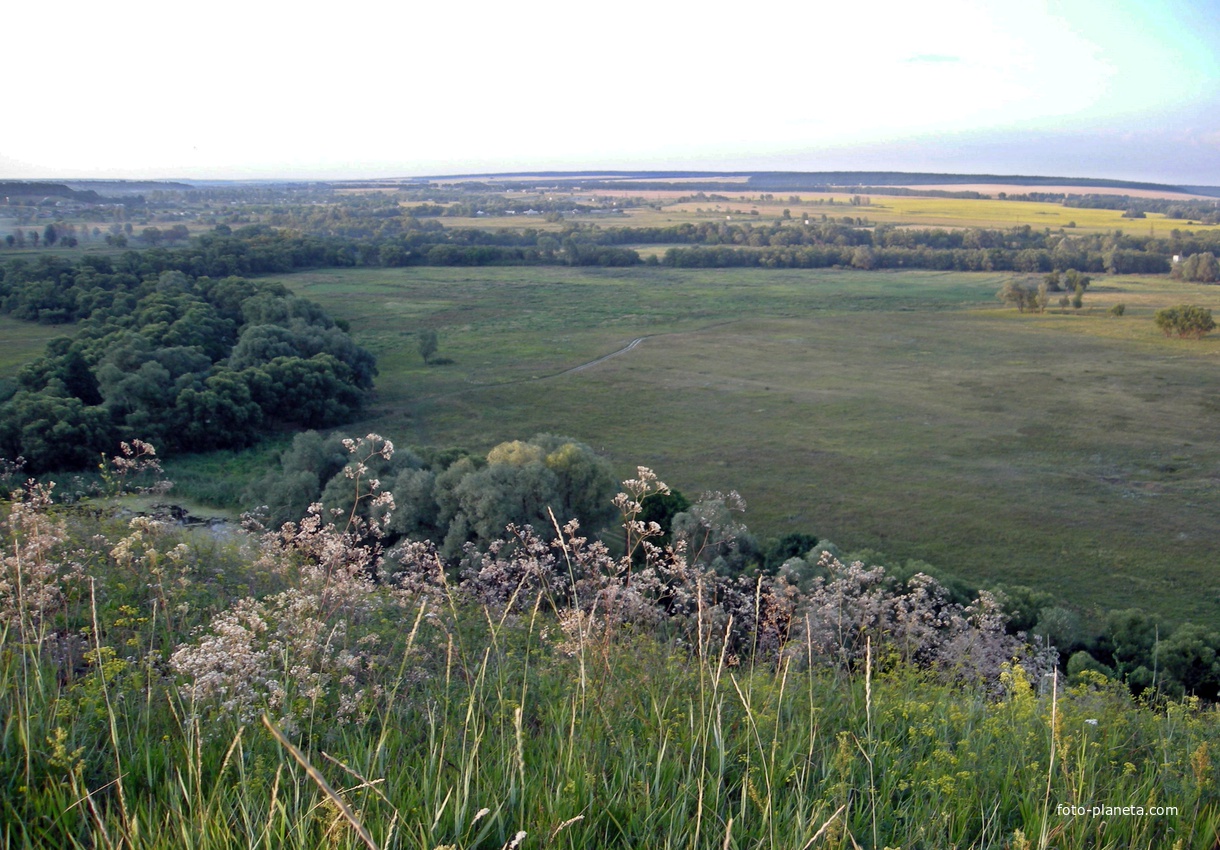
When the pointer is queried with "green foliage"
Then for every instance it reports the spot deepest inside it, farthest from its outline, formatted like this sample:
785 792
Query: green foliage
1131 643
1022 294
714 534
133 694
661 508
1190 661
1059 627
188 362
795 544
522 483
305 468
427 344
53 431
1023 605
1199 268
1185 321
1074 280
1081 664
446 495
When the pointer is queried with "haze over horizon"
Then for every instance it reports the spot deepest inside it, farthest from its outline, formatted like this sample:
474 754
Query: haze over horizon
1126 89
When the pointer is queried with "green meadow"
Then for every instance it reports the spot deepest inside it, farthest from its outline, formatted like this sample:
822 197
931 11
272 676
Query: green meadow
906 413
21 342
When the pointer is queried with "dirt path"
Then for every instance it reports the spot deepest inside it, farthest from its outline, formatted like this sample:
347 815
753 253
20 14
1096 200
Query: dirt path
570 371
603 359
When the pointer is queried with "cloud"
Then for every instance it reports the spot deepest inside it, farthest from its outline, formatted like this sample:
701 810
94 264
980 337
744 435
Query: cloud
932 58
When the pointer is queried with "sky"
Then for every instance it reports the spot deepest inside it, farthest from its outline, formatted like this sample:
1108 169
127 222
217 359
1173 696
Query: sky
249 89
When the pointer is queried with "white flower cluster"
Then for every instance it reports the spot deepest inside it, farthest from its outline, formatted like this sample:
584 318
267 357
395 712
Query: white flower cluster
279 655
295 653
35 574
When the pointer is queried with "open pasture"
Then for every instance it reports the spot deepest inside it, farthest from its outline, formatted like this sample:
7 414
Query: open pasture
21 342
904 412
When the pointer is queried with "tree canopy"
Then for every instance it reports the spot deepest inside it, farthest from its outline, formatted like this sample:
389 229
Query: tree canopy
190 363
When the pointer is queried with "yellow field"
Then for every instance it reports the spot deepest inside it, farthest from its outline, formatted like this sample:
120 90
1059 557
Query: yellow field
951 212
914 211
919 212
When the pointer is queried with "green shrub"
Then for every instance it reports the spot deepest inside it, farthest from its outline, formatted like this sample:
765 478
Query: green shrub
1185 320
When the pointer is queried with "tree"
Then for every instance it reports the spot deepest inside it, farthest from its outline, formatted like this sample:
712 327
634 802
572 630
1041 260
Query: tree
1185 320
1190 661
1073 280
427 344
1042 298
1020 293
863 258
519 483
304 469
1200 268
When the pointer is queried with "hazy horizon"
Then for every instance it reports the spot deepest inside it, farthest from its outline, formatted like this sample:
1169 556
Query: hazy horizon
1124 90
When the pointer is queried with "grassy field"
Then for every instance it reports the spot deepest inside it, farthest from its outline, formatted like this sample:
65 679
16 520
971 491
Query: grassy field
21 342
904 412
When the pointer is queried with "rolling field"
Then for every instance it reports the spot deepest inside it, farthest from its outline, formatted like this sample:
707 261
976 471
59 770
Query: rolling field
903 412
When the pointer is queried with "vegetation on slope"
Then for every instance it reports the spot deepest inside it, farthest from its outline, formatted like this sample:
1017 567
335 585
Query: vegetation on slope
311 689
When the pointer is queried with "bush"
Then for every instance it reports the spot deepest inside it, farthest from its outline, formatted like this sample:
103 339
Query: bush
1185 320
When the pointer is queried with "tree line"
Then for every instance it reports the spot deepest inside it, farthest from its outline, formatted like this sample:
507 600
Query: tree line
379 234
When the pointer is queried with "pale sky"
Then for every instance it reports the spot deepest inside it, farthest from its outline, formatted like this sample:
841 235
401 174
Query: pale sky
1127 89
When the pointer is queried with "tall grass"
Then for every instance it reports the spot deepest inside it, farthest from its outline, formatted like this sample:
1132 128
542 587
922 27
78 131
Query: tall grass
494 726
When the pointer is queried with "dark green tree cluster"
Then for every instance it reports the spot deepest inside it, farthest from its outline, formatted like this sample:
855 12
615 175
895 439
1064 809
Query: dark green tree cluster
1199 268
1185 321
1148 655
1030 297
187 363
1025 295
452 497
410 241
1205 212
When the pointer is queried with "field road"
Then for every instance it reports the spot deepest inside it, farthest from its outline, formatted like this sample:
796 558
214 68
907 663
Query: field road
622 350
571 371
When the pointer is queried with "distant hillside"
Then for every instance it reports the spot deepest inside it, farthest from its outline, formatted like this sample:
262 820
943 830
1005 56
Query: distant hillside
128 187
83 191
15 190
786 181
